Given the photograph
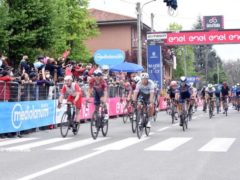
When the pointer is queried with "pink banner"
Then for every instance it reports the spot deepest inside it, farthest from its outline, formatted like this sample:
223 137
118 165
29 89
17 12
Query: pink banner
200 37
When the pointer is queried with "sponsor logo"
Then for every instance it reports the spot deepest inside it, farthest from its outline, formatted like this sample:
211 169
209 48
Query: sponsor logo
22 113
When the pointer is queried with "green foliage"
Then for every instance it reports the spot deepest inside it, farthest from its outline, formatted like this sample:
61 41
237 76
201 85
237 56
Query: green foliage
48 27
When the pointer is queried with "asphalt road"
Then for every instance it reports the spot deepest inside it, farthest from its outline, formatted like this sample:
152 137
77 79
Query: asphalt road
209 149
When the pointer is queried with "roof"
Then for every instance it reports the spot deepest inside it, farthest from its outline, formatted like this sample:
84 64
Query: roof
100 15
109 18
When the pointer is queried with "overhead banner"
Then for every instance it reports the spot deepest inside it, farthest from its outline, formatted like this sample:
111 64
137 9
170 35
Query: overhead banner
154 63
199 37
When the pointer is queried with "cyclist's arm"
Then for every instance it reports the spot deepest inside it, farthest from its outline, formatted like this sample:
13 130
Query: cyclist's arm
135 92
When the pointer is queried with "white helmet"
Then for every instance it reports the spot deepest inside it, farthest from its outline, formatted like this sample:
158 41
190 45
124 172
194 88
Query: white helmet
105 67
210 86
97 72
137 78
66 78
144 76
183 79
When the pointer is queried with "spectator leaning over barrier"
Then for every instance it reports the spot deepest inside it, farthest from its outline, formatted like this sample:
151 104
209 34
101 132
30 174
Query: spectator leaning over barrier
74 96
4 86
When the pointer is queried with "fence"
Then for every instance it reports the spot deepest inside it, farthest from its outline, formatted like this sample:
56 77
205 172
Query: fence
13 91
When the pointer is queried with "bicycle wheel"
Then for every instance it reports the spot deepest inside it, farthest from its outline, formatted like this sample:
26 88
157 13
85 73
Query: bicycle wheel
125 115
104 127
134 122
210 112
190 114
139 124
173 115
77 126
65 125
94 125
147 129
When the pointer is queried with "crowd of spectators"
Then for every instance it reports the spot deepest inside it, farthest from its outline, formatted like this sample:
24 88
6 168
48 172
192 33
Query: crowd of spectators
42 79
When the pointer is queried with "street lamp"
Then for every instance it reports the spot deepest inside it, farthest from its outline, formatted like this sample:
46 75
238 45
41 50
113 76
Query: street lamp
139 29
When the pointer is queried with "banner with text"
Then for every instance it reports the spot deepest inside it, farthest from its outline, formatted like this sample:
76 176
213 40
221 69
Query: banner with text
198 37
18 116
154 63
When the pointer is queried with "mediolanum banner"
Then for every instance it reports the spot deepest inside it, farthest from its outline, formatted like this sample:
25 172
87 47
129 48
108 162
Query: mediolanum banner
18 116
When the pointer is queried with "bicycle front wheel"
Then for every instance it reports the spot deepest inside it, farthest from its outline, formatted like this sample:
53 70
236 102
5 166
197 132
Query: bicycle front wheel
94 126
139 124
134 121
104 127
65 125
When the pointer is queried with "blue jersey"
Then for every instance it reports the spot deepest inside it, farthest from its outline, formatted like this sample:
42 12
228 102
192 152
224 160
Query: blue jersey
238 91
234 90
184 92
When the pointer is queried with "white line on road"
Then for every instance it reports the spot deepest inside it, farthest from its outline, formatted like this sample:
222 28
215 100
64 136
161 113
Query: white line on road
54 168
218 145
163 129
168 145
119 145
14 141
27 147
77 144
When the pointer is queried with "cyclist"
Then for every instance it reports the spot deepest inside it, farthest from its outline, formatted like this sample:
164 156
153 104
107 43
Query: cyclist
74 96
145 91
184 93
171 93
203 98
224 93
210 94
237 94
217 95
233 96
193 100
98 87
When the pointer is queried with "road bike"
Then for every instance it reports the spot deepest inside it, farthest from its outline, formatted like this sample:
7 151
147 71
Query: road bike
142 119
225 105
218 105
211 106
98 122
67 121
184 114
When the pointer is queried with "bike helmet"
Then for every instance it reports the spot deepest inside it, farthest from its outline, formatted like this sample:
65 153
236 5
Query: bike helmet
105 67
66 78
144 76
136 79
183 79
210 86
97 72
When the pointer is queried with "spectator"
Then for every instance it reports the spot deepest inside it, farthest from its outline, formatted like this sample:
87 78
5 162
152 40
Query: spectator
4 86
24 65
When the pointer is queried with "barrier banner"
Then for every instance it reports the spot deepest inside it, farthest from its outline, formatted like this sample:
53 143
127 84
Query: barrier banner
18 116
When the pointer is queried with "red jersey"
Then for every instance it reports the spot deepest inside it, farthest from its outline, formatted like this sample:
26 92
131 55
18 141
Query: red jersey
98 86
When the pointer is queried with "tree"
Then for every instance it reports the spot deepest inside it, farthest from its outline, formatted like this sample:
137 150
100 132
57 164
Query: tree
3 24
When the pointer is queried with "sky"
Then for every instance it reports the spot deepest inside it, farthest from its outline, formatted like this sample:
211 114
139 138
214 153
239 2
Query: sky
186 15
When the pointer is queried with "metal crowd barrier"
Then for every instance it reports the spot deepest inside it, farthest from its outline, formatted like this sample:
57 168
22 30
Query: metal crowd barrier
13 91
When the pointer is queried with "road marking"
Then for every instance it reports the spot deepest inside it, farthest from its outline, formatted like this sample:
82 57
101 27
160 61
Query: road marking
168 145
27 147
78 144
218 145
65 164
14 141
119 145
163 129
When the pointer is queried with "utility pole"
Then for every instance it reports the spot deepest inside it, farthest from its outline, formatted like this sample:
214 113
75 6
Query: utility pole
206 64
185 63
152 22
139 14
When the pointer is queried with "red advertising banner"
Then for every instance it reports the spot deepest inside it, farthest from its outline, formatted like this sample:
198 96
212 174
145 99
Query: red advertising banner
197 37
